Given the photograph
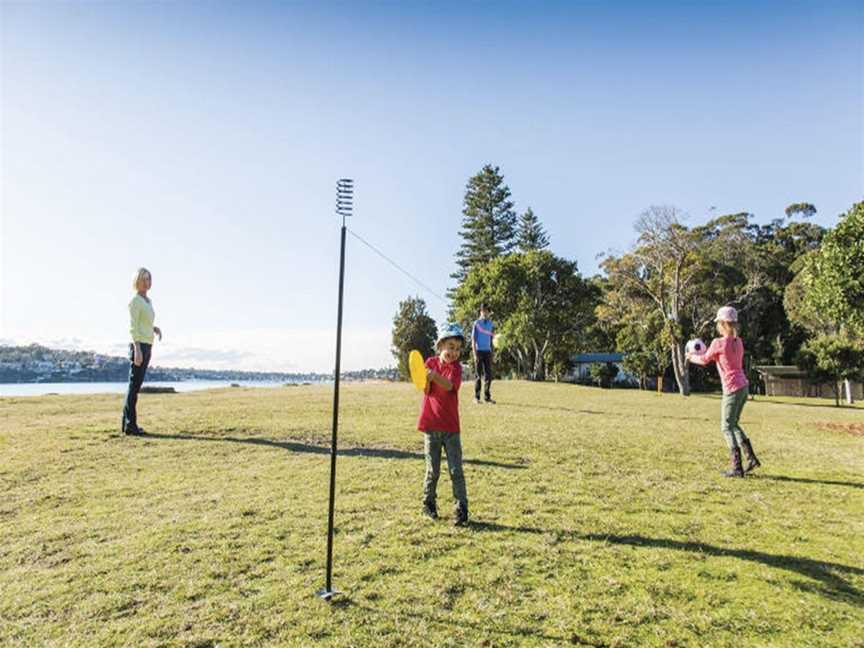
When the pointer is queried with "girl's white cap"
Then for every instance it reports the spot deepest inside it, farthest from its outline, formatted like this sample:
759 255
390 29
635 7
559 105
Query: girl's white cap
726 314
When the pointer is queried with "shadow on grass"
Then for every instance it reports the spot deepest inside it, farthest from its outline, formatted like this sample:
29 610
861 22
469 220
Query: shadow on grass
823 405
834 586
585 411
310 448
802 480
525 632
550 408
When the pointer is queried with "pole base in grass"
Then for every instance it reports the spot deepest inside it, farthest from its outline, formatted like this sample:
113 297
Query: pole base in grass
326 595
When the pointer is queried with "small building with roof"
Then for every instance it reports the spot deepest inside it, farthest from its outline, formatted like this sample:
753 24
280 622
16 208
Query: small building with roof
583 362
789 380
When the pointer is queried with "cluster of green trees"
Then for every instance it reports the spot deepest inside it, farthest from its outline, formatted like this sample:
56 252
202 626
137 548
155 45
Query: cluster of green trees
543 308
799 289
797 286
826 299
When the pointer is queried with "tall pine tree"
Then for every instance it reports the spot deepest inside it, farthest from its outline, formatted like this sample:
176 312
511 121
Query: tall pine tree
488 221
531 236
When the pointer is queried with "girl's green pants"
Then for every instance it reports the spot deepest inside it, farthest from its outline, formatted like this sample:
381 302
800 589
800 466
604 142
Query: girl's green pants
730 412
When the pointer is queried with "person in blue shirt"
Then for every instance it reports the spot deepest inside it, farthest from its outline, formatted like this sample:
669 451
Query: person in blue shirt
481 346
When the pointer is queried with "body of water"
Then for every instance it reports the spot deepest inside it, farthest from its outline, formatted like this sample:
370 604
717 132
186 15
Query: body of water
42 389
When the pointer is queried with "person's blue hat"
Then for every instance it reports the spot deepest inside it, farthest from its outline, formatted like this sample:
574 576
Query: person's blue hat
450 331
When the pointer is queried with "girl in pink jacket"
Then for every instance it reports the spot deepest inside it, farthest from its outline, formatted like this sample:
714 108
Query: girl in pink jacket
728 352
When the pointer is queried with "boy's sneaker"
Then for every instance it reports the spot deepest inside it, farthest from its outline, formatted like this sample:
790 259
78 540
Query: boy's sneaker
490 401
476 401
460 515
430 510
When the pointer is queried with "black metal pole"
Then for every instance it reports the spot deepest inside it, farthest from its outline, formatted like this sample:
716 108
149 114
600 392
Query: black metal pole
328 592
344 207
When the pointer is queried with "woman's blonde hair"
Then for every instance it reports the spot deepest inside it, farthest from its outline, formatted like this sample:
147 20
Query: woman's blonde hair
139 276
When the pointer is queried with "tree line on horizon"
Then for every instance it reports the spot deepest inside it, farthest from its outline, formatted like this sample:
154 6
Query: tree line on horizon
798 287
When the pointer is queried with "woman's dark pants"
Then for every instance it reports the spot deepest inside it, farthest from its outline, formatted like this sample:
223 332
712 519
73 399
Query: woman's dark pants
136 379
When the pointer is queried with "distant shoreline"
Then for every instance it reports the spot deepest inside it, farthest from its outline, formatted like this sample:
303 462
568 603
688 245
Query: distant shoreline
94 388
35 364
54 380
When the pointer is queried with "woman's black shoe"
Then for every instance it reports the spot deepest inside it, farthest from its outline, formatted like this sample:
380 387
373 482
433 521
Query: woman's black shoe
460 515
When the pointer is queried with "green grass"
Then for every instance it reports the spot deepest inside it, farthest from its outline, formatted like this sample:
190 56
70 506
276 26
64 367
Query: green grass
599 519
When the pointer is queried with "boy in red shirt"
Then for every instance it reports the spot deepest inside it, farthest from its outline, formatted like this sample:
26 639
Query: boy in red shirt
439 422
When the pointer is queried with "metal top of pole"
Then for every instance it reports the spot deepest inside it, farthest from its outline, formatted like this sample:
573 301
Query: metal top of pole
345 198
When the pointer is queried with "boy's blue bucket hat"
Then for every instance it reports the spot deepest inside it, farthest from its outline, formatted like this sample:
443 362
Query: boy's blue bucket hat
450 331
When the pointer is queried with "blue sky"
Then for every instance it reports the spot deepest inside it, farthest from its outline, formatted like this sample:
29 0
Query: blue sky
203 140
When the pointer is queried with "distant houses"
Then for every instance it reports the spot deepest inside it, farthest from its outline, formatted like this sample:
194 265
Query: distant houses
35 363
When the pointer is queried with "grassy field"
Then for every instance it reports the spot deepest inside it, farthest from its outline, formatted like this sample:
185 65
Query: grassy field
599 518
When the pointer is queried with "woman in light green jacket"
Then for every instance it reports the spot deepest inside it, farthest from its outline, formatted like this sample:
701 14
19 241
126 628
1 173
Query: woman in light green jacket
141 316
